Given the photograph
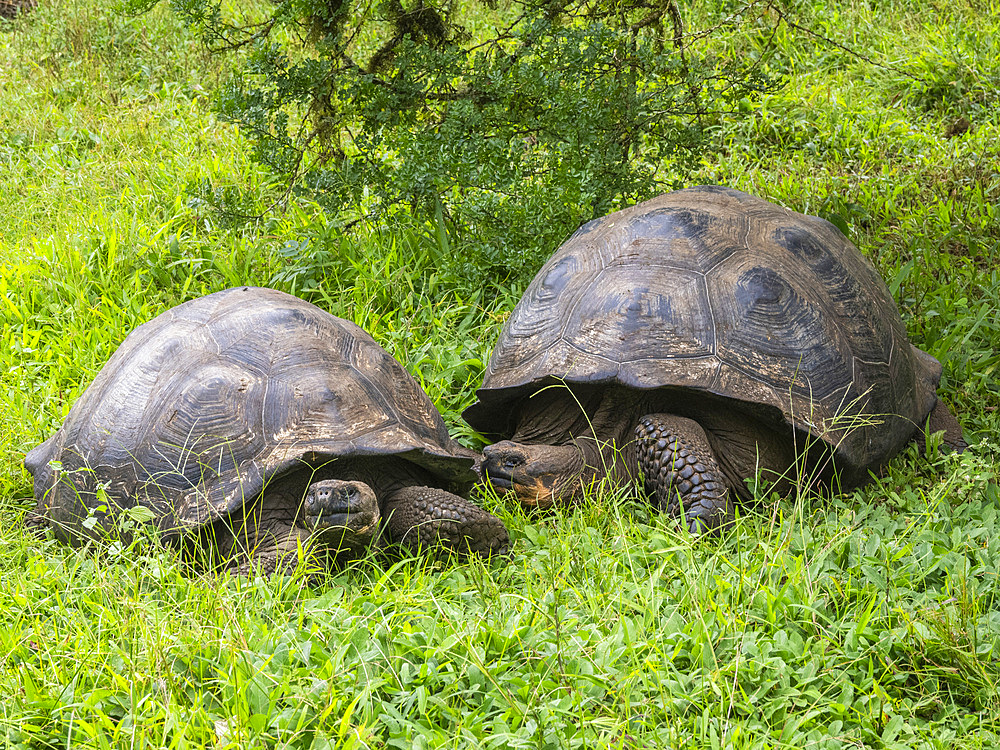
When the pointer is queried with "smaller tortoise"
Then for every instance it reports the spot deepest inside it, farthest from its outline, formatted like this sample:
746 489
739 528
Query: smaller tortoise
253 422
693 341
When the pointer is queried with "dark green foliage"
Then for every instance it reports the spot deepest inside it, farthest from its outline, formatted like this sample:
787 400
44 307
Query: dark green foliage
514 123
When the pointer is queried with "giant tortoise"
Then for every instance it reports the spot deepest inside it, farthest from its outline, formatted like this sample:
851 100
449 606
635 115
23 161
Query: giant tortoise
255 423
693 342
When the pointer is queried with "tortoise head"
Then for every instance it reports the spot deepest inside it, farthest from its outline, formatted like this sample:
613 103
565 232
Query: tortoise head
341 513
540 475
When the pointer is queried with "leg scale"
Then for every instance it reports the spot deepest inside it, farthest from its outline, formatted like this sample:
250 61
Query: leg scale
679 469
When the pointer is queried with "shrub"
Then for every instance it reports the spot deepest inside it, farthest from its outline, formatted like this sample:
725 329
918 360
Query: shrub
510 123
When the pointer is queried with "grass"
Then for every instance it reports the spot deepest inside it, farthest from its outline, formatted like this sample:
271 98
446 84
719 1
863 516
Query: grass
869 620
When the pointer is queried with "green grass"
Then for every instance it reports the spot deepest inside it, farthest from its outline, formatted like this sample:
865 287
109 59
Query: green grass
870 620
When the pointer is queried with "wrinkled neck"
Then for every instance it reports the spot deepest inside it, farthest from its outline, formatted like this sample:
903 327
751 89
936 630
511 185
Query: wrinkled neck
599 421
557 414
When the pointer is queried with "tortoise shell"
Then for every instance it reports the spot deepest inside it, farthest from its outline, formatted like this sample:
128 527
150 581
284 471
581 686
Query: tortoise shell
202 406
713 291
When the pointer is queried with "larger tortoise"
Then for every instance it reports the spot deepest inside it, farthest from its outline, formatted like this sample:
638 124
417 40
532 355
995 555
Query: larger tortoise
693 341
256 423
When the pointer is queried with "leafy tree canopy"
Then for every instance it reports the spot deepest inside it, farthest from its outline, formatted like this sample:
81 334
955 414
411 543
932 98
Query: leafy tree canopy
511 120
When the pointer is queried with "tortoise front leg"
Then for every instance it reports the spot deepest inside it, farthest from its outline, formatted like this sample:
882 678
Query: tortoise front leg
423 517
272 558
263 551
677 464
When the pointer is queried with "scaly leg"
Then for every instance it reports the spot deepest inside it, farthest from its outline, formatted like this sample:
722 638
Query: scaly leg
427 517
677 464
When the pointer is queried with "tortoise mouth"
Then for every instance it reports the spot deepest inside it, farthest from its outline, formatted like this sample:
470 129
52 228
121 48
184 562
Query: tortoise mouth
356 523
537 496
533 493
500 483
339 532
